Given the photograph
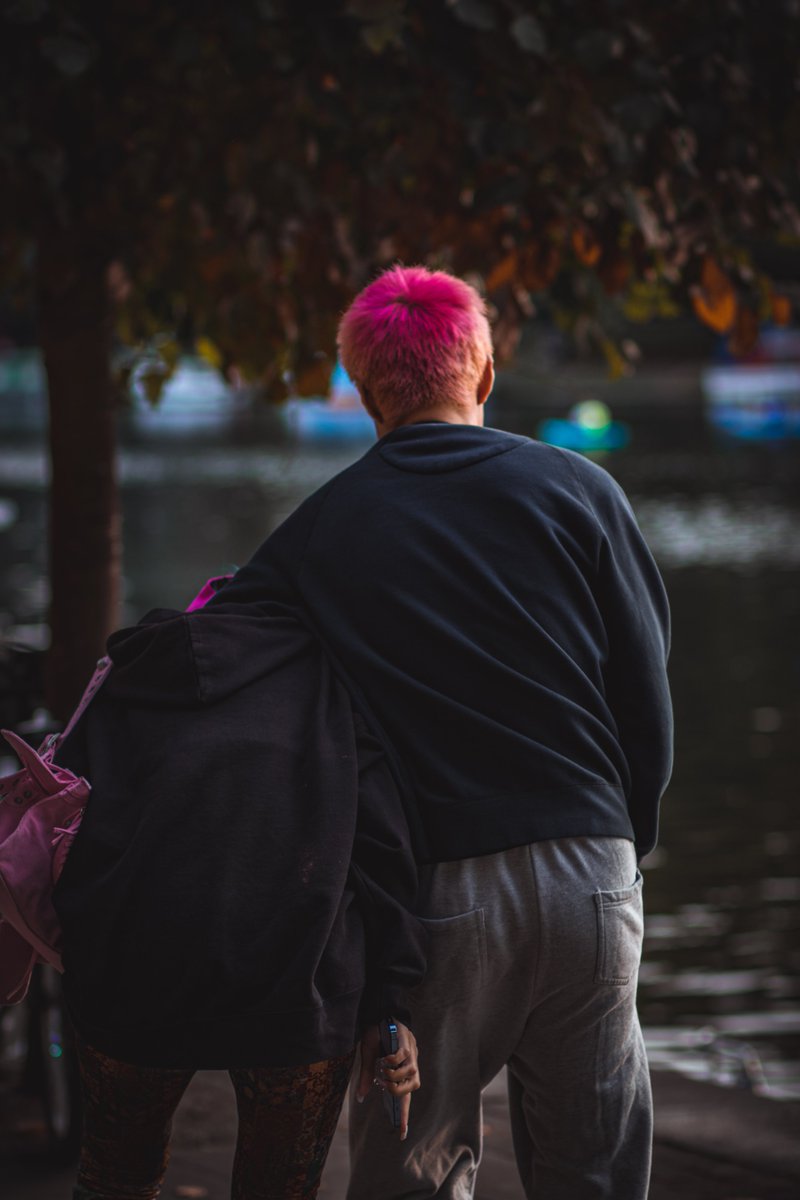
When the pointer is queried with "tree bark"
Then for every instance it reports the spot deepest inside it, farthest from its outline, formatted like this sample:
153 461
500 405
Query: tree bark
84 530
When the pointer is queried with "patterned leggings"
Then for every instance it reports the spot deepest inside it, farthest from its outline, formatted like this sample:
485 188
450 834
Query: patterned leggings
287 1118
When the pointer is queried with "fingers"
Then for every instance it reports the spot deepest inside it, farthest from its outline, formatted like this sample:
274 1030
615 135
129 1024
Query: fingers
400 1079
398 1059
396 1073
399 1072
410 1067
405 1108
403 1087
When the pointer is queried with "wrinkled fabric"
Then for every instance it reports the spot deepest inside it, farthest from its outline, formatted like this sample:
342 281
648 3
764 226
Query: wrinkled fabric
496 607
240 889
533 958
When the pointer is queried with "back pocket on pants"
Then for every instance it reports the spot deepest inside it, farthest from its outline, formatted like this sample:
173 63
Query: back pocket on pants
620 928
456 953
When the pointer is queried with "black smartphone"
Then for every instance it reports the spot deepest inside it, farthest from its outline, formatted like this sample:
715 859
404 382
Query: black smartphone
390 1045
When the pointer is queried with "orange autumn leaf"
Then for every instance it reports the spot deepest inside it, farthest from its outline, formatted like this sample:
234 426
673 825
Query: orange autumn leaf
618 365
713 279
781 307
540 265
714 300
314 380
718 315
586 246
503 273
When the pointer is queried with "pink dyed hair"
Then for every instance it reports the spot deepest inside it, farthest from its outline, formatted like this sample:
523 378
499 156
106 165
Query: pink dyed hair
414 338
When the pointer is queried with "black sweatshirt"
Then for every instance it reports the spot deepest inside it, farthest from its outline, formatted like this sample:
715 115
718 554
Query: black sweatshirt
239 890
495 605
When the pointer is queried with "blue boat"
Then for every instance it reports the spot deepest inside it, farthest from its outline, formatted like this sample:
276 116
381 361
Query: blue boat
589 428
755 403
319 420
338 418
757 399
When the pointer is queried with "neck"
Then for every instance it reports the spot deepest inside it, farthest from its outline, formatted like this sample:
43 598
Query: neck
450 414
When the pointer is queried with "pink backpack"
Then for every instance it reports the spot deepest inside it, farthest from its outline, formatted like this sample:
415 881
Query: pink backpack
41 808
40 811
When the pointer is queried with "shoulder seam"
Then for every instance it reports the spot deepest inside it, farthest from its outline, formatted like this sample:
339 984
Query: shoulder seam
589 506
568 460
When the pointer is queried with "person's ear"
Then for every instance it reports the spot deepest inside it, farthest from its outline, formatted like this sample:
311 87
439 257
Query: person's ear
486 382
368 402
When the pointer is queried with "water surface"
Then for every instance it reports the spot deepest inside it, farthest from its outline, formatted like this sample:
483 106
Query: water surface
720 983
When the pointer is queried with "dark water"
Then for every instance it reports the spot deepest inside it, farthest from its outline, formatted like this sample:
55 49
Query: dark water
720 985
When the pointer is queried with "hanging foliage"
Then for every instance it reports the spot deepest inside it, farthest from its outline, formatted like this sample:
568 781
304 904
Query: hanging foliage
249 166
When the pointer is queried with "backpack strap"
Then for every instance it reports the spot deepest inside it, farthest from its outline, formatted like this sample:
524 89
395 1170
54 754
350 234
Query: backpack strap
39 762
33 762
101 671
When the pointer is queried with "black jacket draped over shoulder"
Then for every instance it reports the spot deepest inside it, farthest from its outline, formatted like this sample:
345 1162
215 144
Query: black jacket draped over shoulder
241 887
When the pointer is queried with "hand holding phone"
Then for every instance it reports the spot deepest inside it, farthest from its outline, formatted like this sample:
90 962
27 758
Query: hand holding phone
389 1060
390 1045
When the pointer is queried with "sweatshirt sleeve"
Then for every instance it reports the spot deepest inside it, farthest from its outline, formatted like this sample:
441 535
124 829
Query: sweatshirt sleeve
271 573
635 612
385 877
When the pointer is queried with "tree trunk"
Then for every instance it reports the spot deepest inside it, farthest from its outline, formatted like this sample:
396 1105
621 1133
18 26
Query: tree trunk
84 534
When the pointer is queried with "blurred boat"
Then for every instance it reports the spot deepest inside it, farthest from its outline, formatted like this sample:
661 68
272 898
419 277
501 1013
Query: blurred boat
338 418
757 403
319 420
588 428
194 400
758 399
23 392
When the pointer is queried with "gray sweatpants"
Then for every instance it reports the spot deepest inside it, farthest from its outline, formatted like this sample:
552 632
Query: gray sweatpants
533 961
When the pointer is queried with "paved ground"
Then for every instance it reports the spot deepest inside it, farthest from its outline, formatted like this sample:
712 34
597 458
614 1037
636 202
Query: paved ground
711 1144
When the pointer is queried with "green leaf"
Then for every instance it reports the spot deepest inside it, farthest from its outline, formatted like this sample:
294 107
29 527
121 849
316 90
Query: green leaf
209 352
169 351
529 35
473 12
152 382
384 21
69 54
381 34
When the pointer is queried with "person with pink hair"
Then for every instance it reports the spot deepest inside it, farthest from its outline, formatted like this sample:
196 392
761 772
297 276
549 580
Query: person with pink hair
492 604
420 338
